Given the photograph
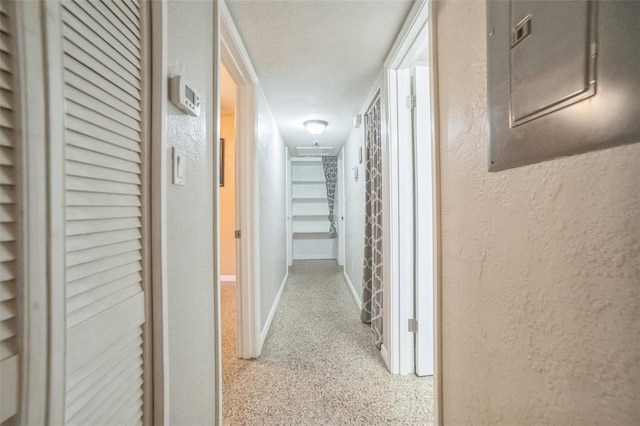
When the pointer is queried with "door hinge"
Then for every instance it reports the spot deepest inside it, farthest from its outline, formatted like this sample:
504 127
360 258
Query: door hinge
412 325
411 101
237 233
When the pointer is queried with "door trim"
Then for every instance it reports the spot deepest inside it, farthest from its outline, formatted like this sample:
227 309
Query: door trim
423 221
287 155
437 210
54 90
32 177
399 266
235 59
158 214
340 213
148 384
419 32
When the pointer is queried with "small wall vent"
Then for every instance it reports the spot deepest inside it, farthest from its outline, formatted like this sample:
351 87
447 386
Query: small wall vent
314 151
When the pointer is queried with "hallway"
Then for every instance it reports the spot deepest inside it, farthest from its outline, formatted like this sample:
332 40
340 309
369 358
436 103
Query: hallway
319 364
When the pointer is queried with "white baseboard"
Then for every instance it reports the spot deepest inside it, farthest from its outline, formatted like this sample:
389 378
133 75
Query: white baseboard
385 357
274 308
228 278
354 293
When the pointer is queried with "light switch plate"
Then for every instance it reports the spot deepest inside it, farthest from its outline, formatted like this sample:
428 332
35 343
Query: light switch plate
179 166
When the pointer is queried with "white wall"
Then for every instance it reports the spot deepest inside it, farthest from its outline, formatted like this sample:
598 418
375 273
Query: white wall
271 192
354 208
190 222
541 288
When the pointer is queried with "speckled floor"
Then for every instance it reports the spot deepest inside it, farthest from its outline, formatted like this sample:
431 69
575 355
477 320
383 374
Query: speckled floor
318 364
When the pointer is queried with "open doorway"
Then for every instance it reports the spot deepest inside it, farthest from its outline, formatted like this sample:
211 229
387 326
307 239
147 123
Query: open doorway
227 223
235 63
227 178
412 317
238 282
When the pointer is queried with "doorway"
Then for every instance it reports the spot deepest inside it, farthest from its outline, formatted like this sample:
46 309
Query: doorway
227 221
413 259
340 203
227 178
235 63
423 180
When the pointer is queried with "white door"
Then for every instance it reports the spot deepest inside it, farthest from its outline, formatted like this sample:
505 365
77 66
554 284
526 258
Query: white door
424 220
106 210
10 262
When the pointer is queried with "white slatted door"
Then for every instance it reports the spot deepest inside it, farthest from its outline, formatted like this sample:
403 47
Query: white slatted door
105 196
9 229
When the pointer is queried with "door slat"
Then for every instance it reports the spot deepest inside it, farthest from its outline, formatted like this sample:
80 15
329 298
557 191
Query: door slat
105 188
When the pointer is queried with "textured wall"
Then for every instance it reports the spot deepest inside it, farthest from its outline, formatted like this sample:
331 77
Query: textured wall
228 198
271 192
354 209
190 220
541 286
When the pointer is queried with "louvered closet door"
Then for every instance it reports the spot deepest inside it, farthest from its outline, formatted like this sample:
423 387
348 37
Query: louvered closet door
9 357
105 215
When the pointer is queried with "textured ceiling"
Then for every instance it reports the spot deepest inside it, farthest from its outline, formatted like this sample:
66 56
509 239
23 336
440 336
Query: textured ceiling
317 59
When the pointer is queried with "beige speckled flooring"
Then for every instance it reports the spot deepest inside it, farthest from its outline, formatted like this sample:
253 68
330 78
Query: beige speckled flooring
318 364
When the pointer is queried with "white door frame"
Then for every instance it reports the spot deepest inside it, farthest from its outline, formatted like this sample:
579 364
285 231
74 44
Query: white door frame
399 261
340 198
423 220
55 209
31 132
287 162
399 342
417 34
235 59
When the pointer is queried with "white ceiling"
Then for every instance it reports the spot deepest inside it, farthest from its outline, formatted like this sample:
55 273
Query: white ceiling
317 59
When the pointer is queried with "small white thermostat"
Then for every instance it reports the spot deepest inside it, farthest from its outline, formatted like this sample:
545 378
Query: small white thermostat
184 96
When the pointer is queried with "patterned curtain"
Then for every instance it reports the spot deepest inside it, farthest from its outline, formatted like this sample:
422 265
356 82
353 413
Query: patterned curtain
330 167
372 274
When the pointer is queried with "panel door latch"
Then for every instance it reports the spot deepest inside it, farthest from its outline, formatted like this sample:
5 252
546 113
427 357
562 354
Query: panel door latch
237 233
412 325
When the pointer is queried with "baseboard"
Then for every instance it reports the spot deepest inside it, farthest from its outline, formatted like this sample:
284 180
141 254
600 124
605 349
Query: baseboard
228 278
354 293
274 308
385 356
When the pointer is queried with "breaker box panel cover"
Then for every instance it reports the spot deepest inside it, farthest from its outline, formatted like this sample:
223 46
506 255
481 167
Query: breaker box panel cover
563 78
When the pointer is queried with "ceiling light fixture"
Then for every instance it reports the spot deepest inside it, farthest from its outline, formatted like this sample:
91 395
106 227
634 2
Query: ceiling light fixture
315 127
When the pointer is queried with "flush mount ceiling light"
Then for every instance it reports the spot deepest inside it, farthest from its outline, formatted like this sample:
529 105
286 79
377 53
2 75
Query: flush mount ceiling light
315 127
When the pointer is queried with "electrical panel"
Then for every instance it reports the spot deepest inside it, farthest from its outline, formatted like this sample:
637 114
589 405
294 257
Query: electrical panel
563 78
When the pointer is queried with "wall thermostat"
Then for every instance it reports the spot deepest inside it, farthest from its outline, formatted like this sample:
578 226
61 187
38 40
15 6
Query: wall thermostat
184 96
